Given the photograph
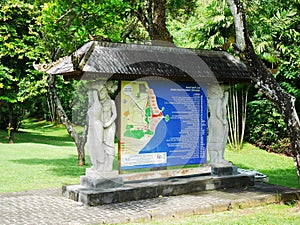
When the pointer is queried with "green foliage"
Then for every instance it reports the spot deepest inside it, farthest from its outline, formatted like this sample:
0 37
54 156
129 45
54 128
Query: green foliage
266 127
180 8
274 27
19 47
144 22
281 146
70 24
274 30
80 103
66 26
209 27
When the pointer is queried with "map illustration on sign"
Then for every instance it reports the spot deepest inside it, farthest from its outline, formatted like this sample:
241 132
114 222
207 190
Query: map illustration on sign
153 126
142 115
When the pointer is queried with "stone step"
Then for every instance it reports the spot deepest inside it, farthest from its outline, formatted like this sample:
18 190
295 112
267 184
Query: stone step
152 188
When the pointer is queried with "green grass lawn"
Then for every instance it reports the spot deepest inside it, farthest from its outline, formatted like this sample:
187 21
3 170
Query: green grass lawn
276 214
279 168
44 156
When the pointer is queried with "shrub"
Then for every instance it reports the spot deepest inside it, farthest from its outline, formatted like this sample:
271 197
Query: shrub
265 127
282 146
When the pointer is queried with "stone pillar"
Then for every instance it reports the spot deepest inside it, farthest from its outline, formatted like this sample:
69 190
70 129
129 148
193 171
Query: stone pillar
100 141
218 130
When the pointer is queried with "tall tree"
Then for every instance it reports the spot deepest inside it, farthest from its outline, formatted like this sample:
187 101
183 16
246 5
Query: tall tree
19 48
209 26
152 15
79 140
274 31
67 25
265 80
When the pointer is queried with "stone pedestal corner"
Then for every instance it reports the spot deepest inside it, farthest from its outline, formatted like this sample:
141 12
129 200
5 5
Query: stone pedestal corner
104 180
223 170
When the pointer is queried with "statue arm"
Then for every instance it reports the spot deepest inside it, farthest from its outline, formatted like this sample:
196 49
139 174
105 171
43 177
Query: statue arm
225 99
219 113
113 116
224 105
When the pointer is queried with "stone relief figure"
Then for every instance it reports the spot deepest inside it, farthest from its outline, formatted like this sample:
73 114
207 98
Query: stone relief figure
102 114
109 115
217 125
95 131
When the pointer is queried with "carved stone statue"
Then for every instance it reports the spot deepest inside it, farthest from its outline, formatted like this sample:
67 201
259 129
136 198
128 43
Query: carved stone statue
109 115
217 125
102 114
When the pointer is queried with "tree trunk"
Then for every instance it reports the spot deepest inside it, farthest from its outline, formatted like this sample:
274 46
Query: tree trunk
80 146
237 111
1 105
266 81
152 14
160 31
81 154
79 140
10 127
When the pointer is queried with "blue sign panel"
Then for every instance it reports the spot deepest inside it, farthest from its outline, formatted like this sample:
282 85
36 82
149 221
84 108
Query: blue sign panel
163 123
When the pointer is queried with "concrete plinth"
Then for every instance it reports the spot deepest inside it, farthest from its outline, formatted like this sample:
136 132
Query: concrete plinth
224 170
101 183
144 189
103 180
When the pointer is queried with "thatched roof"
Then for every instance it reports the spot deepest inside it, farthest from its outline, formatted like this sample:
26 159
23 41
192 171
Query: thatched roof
132 61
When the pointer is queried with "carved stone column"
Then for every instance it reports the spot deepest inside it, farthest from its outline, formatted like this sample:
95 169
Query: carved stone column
218 130
100 141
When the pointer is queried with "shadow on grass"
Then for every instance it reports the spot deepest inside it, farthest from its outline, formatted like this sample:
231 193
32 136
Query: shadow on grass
35 124
28 137
58 167
32 137
282 177
41 132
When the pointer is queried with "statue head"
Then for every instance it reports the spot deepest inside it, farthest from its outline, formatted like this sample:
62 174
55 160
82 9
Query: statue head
96 84
103 94
214 91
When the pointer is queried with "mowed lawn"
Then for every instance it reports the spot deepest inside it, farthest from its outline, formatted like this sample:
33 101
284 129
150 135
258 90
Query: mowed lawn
280 169
44 156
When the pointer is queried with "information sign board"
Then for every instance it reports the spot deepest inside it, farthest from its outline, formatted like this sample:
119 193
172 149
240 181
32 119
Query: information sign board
163 123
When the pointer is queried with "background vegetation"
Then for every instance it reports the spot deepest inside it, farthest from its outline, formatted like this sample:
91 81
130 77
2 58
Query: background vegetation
275 32
41 31
44 30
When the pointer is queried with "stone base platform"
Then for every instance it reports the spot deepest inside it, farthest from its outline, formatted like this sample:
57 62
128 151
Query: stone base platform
221 170
152 188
